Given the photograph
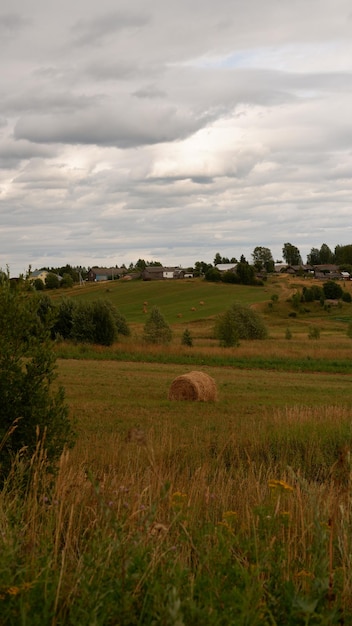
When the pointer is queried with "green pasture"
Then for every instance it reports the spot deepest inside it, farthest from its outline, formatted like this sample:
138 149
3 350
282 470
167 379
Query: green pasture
173 297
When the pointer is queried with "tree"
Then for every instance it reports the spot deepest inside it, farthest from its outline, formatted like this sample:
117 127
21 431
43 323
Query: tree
263 259
94 322
67 281
213 274
52 281
156 329
187 339
245 272
313 258
31 405
343 255
291 254
326 255
226 329
201 267
332 290
239 322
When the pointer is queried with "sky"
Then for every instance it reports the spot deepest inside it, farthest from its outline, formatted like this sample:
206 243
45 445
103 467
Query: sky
170 131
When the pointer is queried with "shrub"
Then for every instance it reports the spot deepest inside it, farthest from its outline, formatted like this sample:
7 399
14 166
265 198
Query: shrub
187 339
346 296
226 329
239 322
94 322
31 406
52 281
332 290
288 334
156 329
64 321
38 284
314 332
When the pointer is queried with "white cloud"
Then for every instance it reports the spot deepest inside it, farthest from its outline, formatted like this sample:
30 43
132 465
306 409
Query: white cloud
161 130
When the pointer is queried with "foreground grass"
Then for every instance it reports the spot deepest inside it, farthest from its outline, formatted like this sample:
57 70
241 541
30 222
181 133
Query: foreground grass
235 512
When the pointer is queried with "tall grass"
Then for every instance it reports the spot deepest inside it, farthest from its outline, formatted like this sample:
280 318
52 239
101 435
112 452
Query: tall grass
185 526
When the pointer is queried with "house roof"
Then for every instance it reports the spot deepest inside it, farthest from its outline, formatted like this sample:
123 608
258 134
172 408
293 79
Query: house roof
107 271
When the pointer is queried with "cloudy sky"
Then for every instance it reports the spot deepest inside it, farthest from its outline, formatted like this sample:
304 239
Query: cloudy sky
173 130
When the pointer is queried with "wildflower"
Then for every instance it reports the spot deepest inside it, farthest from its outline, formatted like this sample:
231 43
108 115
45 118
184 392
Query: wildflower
229 514
13 591
279 483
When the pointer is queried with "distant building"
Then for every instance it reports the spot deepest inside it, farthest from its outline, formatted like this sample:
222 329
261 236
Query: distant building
157 272
97 274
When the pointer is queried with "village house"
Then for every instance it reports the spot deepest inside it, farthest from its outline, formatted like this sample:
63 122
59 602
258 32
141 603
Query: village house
157 272
98 274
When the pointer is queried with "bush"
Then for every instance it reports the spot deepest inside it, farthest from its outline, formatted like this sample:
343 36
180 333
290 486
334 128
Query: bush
226 329
94 322
288 334
52 281
187 339
239 322
332 290
346 296
314 332
156 329
31 406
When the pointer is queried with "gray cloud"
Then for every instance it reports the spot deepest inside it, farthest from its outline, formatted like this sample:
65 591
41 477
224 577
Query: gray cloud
173 133
94 31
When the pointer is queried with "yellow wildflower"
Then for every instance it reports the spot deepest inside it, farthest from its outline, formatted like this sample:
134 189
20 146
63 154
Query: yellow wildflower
273 484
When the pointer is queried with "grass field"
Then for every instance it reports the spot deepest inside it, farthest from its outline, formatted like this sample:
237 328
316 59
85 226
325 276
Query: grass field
190 513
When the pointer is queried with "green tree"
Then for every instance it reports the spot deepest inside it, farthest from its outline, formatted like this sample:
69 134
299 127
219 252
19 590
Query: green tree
239 322
187 339
213 274
201 267
263 259
30 402
343 255
291 254
67 281
226 329
313 258
38 284
332 290
156 329
94 322
52 281
245 272
326 255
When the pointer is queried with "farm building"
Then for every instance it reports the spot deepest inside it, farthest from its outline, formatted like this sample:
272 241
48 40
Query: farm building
97 274
157 272
41 274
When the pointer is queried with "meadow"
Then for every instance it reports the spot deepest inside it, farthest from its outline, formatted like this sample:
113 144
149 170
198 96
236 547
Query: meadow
188 513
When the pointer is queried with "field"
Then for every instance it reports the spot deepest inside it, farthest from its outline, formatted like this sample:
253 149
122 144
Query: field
232 512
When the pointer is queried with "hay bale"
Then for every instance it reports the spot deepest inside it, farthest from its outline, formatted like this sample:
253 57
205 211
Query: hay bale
193 386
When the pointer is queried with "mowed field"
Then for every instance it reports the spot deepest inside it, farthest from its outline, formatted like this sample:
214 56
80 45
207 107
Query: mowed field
179 513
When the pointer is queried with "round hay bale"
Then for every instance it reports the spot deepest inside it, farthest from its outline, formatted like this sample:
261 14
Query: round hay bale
193 386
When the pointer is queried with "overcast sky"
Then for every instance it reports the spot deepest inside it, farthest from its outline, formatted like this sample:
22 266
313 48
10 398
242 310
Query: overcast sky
171 131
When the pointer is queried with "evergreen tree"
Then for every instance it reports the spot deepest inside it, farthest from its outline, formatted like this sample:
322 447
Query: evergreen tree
156 329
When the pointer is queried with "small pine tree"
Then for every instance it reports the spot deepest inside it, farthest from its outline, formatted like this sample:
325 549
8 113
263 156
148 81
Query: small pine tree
187 339
156 329
314 332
